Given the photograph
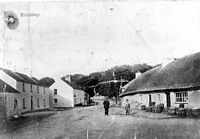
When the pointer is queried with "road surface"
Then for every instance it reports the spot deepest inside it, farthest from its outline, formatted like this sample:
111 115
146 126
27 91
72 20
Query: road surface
91 123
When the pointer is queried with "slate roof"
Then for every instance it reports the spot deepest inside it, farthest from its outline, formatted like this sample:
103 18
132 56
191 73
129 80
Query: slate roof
8 88
183 73
35 79
27 79
13 75
21 77
72 84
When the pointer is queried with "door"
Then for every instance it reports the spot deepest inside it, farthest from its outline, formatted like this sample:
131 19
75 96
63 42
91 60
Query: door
149 100
31 103
168 99
2 108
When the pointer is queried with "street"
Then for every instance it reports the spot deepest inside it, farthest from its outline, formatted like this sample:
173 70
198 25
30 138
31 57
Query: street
91 123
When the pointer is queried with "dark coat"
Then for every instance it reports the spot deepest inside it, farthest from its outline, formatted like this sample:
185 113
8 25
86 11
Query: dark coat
106 104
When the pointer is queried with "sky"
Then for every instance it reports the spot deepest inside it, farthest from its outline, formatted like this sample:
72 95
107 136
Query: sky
60 38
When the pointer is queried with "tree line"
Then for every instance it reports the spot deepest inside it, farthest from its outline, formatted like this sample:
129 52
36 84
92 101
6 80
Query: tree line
126 72
88 82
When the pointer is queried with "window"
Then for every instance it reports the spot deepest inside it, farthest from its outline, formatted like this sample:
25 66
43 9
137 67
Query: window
182 97
23 87
38 102
31 87
15 103
44 103
37 89
44 90
74 95
24 104
55 91
55 100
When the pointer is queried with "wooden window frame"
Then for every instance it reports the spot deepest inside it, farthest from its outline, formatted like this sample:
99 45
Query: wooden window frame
181 97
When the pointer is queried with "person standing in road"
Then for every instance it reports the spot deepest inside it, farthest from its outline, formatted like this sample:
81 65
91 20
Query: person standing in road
106 104
127 107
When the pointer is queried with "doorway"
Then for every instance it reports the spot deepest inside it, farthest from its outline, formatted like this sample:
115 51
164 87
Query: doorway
149 100
168 99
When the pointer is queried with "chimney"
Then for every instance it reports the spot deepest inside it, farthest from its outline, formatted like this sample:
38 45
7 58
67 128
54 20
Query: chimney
137 74
68 78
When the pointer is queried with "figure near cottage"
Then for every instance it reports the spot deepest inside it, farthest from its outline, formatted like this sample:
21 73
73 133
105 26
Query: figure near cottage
127 107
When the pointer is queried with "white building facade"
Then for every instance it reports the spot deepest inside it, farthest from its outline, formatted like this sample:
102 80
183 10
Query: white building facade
30 94
66 94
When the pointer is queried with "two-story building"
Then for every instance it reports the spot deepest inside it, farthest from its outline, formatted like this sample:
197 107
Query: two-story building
21 93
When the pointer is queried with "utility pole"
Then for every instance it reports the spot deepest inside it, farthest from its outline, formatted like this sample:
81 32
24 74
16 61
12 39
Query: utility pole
4 40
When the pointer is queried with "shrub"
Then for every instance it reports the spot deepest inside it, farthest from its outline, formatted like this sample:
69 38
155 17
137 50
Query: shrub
188 112
159 108
150 109
143 107
152 103
181 112
196 113
171 111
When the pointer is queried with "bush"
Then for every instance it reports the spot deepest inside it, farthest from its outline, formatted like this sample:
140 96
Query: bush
188 112
143 107
172 111
196 113
159 108
181 112
165 110
152 103
150 109
147 109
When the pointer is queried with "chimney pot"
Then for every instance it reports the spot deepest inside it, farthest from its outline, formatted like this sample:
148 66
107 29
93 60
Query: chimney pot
137 74
68 78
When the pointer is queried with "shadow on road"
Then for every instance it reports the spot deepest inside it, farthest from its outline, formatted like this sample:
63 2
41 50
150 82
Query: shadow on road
13 125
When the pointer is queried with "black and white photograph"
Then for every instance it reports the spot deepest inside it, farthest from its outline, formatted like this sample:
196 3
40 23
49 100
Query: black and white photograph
100 69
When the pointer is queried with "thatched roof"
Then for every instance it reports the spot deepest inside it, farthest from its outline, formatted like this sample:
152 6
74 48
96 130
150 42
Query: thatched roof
180 74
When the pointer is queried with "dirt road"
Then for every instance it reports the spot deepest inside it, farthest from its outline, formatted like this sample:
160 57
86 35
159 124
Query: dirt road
91 123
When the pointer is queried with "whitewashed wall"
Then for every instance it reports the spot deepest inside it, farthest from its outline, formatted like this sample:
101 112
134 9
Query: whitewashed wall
9 103
64 94
10 97
143 99
79 97
158 98
194 99
42 95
